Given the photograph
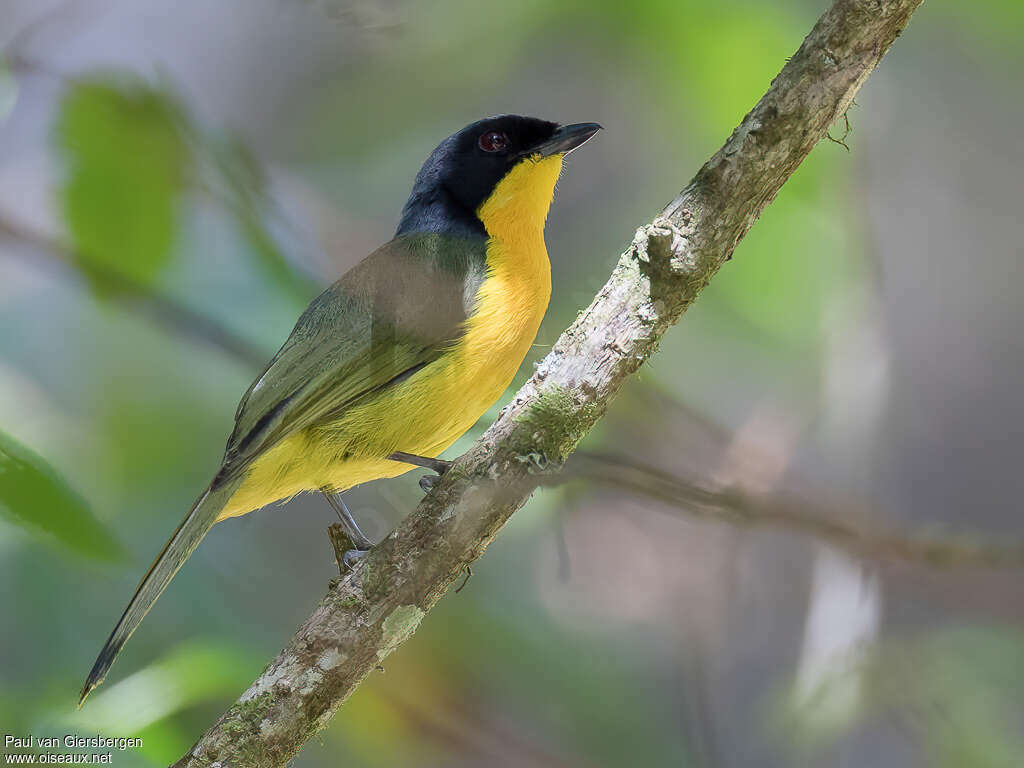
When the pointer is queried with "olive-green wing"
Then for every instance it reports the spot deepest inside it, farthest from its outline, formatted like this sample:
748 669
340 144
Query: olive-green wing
396 311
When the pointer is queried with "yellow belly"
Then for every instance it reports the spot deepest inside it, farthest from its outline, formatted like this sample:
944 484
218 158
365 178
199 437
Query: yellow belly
424 415
433 408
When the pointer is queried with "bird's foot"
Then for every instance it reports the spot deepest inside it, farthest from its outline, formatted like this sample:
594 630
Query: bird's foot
346 552
353 556
427 482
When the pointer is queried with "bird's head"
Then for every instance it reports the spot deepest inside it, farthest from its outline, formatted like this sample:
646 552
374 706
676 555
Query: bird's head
494 169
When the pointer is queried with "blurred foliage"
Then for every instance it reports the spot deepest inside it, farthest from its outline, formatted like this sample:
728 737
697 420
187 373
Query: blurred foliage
130 148
126 167
135 415
247 197
963 688
34 496
143 702
957 689
8 90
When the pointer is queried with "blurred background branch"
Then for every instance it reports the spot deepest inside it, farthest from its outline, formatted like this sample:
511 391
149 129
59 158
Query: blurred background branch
139 298
843 527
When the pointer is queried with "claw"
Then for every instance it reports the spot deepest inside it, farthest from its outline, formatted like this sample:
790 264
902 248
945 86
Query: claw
353 556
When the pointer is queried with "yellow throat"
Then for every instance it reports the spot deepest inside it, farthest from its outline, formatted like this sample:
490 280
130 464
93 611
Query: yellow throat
513 299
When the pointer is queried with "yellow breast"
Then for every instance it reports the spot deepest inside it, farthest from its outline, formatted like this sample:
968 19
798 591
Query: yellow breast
513 299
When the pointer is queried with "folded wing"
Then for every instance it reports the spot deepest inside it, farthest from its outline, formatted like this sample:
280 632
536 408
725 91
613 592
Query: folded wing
395 312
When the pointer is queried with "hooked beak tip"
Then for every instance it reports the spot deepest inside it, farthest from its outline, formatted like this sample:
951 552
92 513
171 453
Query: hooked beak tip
567 138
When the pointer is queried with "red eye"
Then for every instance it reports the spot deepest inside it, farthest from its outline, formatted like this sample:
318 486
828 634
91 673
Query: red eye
493 141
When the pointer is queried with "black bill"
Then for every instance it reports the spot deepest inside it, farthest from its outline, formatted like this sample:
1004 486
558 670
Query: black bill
566 139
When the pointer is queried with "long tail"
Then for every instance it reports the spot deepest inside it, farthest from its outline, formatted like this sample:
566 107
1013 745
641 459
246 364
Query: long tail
176 551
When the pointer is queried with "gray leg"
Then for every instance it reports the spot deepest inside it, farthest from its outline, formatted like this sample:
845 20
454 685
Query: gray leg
348 522
438 465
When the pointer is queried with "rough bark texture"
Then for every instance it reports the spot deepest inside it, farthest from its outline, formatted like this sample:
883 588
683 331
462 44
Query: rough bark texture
370 612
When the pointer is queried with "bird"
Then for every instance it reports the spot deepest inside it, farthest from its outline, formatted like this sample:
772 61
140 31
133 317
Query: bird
401 356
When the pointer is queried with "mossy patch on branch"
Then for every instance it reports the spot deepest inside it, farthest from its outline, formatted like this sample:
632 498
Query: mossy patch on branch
352 602
557 421
242 724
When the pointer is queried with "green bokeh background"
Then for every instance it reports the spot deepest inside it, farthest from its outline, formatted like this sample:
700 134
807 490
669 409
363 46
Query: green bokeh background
232 158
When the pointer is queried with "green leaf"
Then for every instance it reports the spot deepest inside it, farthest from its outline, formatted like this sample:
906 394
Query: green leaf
35 497
126 166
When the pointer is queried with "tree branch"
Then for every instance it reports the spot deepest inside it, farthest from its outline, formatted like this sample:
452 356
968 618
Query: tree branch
837 526
378 605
